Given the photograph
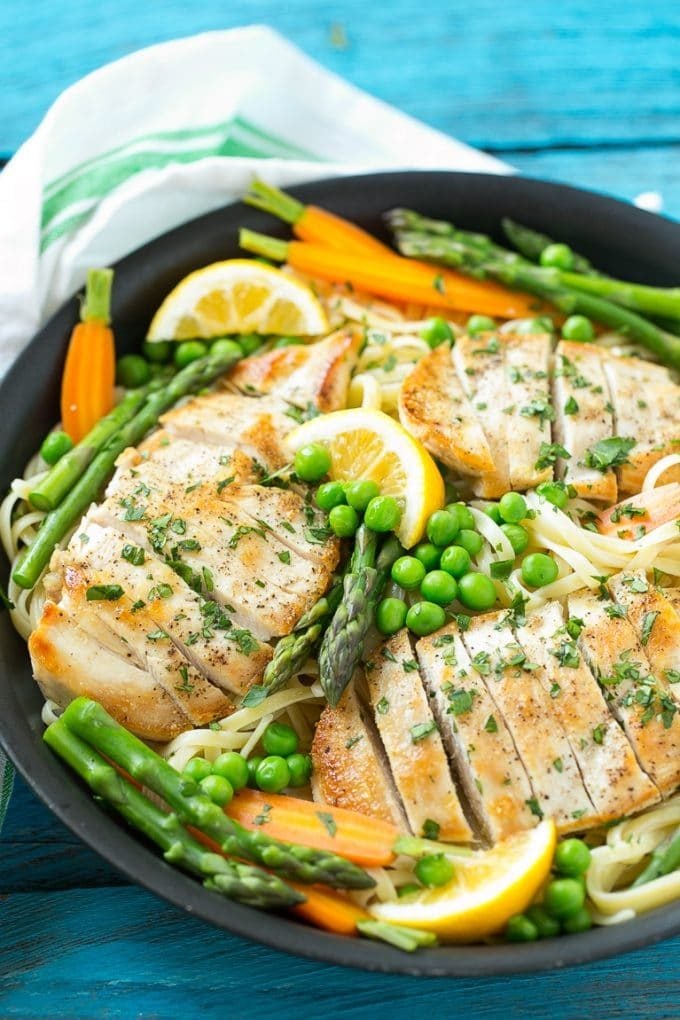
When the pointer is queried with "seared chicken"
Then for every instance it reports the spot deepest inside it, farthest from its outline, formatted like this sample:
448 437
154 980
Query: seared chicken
348 766
529 411
412 742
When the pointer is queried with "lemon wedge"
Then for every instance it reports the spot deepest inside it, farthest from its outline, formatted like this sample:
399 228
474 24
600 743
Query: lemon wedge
368 444
488 888
238 296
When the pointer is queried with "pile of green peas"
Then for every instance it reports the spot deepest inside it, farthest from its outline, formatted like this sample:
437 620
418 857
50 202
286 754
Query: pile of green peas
563 909
346 503
283 766
135 370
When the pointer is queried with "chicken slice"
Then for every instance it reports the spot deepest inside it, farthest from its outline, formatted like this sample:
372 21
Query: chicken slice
348 766
475 735
583 417
617 659
616 784
412 742
529 411
228 656
656 623
480 363
646 408
69 663
233 421
528 712
138 638
434 408
312 375
673 596
183 462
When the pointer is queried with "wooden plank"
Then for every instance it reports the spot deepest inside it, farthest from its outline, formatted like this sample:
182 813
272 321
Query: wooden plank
122 953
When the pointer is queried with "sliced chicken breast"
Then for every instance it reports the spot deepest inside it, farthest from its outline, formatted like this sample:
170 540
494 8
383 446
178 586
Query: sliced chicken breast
649 718
529 412
656 624
434 408
306 375
616 784
583 417
480 363
183 462
646 408
69 663
526 707
673 596
412 742
476 737
348 766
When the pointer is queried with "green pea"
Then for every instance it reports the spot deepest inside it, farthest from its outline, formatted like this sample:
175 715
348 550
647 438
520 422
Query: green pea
280 739
546 926
382 514
253 765
312 462
158 351
556 493
224 347
493 511
218 789
343 521
439 587
54 446
249 343
521 929
425 617
408 889
188 351
434 870
578 922
579 328
288 341
197 769
436 331
471 541
512 507
390 615
572 857
517 536
442 528
455 560
428 554
232 766
480 324
359 494
564 897
476 591
300 768
408 572
272 774
463 515
557 256
330 494
538 569
132 371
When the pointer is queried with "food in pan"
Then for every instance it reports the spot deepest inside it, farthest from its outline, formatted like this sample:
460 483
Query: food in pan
359 594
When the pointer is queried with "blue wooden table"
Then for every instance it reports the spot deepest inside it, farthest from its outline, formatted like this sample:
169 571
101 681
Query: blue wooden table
579 92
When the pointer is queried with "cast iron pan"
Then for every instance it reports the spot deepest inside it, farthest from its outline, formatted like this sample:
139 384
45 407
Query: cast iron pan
618 238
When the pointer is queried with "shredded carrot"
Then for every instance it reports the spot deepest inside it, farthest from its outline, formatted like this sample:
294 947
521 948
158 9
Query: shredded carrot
87 386
649 509
365 840
318 226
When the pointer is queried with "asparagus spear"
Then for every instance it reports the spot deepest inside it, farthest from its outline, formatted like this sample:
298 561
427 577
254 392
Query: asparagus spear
666 858
513 271
343 641
58 521
94 725
241 882
530 243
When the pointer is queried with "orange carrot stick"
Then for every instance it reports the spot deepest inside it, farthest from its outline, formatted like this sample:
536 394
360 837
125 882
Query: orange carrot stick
328 909
396 278
87 386
365 840
648 509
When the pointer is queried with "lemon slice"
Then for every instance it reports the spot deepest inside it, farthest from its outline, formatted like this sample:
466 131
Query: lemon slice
368 444
238 296
488 888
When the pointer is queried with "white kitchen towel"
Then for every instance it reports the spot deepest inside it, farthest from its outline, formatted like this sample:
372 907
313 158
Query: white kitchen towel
169 133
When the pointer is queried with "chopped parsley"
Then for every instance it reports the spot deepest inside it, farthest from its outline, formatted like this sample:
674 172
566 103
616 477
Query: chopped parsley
349 744
648 622
491 726
328 821
609 453
541 408
534 807
104 593
383 706
548 453
431 829
255 696
571 406
133 554
284 556
422 730
460 701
